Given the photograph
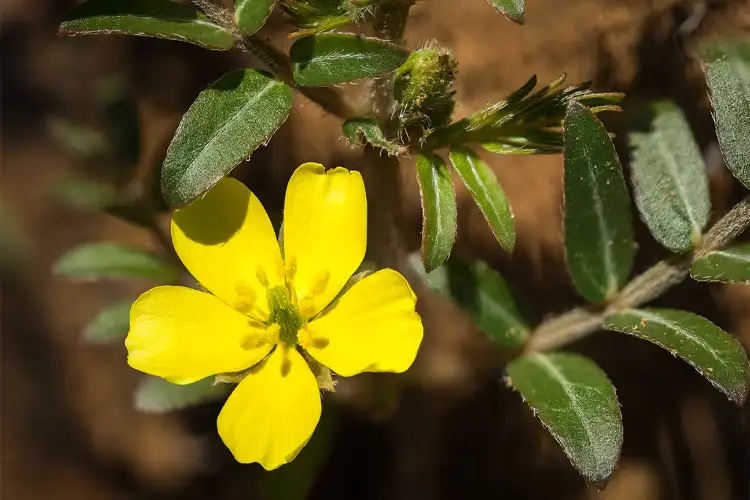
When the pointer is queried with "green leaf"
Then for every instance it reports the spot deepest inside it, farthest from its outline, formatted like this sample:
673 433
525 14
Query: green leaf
484 294
709 349
226 123
155 18
79 139
669 179
731 265
85 195
111 260
156 395
111 324
332 58
598 224
515 10
487 193
576 402
438 210
251 15
354 128
727 68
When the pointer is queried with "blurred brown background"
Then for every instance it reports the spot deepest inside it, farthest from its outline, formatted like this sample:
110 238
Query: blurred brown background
448 429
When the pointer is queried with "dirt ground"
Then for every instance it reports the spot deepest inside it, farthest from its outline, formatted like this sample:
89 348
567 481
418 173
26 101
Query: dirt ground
449 430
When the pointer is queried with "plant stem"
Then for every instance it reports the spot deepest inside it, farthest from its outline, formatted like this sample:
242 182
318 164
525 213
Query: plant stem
583 321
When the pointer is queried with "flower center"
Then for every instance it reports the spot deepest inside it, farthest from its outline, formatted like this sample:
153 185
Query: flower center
285 314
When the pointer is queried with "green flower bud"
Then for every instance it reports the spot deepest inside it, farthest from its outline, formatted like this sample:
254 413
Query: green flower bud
423 88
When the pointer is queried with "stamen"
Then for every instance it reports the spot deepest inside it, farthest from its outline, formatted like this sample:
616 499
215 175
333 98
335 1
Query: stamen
260 273
246 297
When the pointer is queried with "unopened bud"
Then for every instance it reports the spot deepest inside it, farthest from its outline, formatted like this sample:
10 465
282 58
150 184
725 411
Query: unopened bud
423 88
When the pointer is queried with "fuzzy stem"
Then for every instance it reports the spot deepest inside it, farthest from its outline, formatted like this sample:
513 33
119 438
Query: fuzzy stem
581 322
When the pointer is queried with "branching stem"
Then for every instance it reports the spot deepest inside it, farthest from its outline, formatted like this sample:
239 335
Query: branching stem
583 321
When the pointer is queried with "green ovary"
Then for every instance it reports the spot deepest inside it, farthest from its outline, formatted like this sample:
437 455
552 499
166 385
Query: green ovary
285 314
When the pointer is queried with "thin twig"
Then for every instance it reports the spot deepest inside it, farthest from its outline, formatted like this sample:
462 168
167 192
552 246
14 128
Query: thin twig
581 322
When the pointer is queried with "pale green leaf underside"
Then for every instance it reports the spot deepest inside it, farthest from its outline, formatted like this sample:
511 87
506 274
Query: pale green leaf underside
487 193
669 179
112 260
598 229
251 15
709 349
577 403
153 18
110 324
226 123
332 58
727 68
438 209
156 395
515 10
731 265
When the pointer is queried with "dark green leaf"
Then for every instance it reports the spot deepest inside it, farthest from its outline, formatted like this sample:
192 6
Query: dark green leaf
438 209
111 324
250 15
332 58
669 179
576 402
156 395
731 265
354 128
598 224
709 349
156 18
485 296
226 123
514 10
727 68
112 260
487 193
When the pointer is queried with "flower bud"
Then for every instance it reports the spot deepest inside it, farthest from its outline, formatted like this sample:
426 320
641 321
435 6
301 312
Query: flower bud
423 88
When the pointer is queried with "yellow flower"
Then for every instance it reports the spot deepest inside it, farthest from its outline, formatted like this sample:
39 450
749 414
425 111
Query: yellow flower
271 314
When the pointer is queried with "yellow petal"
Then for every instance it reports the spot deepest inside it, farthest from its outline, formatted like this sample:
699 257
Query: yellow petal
325 232
272 413
228 244
373 328
184 335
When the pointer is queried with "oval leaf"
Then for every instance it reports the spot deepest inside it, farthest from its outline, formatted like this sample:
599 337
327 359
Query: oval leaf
226 123
709 349
515 10
727 68
154 18
111 260
731 265
669 180
333 58
371 132
438 210
156 395
576 402
251 15
111 324
597 220
487 193
485 296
